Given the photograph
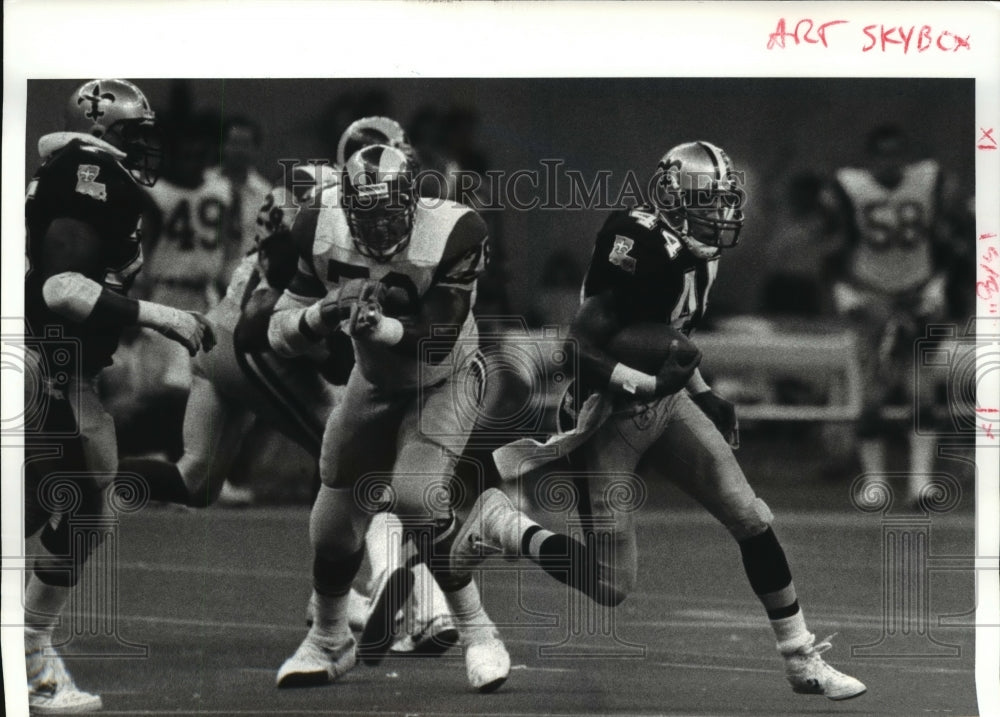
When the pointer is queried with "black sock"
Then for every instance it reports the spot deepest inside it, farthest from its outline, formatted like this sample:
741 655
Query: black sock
164 479
572 563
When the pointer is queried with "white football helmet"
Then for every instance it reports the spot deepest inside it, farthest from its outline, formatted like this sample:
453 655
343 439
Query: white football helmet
372 130
698 194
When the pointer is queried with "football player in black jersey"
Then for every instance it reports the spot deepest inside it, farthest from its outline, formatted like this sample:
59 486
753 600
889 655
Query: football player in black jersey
653 264
83 246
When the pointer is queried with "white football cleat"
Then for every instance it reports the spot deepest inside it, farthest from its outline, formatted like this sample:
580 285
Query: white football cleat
487 664
808 674
491 528
51 690
318 661
431 638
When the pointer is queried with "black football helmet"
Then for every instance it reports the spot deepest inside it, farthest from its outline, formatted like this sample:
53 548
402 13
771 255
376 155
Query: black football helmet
379 199
119 113
698 194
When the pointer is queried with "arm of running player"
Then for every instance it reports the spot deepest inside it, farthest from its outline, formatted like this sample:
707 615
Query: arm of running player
446 303
595 323
72 254
721 412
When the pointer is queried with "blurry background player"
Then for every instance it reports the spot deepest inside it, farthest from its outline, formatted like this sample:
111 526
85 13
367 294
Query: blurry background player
398 418
242 381
82 215
889 281
203 223
654 265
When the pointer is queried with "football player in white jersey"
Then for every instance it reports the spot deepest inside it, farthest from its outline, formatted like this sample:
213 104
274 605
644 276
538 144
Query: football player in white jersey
207 224
398 274
888 284
653 266
243 381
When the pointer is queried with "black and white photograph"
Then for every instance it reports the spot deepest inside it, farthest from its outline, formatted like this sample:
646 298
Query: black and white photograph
468 358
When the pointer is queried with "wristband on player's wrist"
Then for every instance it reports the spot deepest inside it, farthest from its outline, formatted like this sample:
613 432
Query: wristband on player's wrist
627 379
311 324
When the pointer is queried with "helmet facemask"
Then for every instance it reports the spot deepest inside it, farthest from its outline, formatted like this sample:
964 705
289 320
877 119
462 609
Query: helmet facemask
383 228
702 207
142 142
379 200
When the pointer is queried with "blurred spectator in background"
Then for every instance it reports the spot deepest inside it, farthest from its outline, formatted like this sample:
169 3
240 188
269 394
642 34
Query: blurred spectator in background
201 222
147 386
238 179
447 145
796 250
895 217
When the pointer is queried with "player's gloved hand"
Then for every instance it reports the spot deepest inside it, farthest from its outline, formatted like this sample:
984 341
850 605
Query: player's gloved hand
188 328
339 304
366 313
676 371
722 413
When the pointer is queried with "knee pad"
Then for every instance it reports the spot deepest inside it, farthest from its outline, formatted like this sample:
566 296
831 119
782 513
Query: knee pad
336 525
752 519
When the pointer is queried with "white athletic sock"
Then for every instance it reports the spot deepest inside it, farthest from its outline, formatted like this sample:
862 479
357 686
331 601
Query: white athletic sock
791 632
473 624
330 621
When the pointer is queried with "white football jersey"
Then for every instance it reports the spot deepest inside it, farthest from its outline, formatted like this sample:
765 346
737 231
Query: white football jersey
446 248
196 225
895 226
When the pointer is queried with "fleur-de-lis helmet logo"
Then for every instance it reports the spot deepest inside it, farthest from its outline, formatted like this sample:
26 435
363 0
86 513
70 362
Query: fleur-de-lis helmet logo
94 96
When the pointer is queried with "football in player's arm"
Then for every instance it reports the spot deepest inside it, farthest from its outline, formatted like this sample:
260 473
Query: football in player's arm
646 289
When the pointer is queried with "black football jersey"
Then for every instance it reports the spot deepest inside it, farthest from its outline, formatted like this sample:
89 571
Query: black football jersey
82 182
653 275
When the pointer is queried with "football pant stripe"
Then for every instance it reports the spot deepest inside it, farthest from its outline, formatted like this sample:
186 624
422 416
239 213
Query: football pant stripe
294 406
